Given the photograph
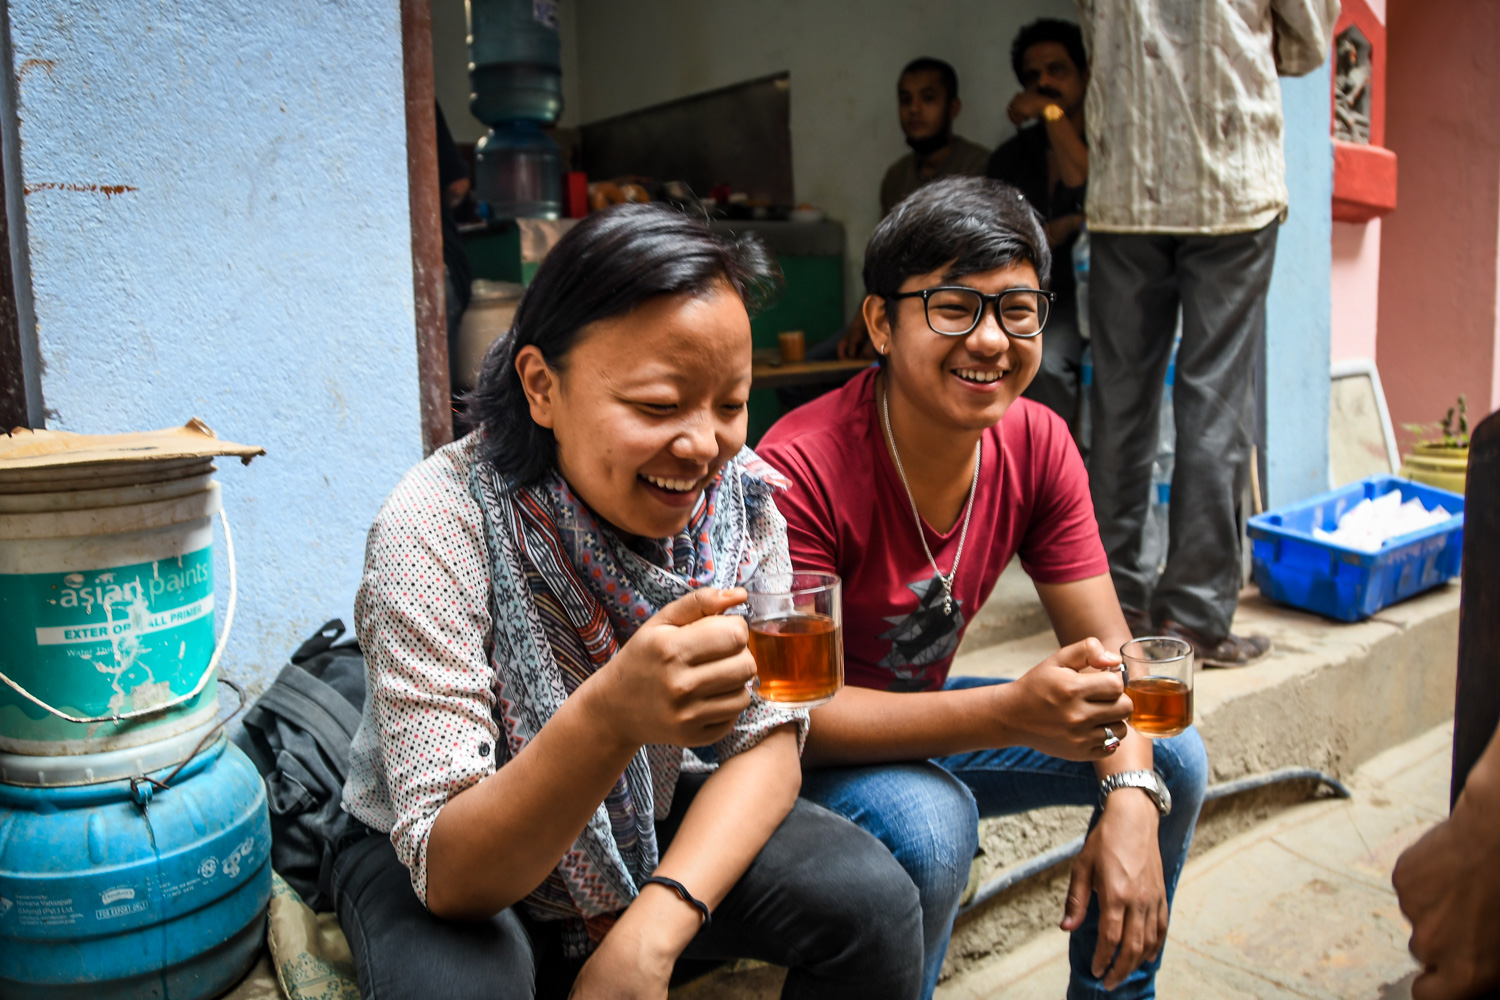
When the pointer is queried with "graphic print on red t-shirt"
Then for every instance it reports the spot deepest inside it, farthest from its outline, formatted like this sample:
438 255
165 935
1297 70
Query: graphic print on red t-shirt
847 513
922 638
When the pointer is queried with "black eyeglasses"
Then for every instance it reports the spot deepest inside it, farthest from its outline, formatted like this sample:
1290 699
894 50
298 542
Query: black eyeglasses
954 310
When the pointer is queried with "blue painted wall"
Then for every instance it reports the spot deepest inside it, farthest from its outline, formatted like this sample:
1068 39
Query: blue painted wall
1299 310
217 226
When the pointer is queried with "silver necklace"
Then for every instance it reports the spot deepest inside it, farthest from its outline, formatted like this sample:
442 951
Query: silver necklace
946 581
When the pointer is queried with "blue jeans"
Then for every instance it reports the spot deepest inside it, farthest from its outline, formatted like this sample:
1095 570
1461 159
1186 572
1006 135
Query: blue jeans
927 814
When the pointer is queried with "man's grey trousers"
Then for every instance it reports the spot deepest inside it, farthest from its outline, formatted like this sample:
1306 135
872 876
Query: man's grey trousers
1136 284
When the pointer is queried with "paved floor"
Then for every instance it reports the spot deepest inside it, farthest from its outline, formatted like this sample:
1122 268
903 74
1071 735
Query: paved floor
1300 906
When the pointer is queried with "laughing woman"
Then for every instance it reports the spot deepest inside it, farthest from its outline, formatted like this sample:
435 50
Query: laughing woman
543 614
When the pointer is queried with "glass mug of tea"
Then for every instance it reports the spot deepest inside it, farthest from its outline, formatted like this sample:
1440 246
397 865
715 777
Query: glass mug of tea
796 637
1159 683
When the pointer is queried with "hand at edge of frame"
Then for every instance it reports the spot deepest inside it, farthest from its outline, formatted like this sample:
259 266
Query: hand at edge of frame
1448 886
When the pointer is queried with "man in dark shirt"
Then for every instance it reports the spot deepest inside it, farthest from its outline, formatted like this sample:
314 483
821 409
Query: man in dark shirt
927 100
927 94
1049 162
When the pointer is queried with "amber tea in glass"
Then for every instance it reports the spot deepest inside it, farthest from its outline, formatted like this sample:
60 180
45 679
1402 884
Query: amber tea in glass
1159 683
796 637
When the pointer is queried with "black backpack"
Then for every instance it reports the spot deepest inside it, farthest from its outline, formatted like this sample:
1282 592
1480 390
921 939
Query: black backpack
298 734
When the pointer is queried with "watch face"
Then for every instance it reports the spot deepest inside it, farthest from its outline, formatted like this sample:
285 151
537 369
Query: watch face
1166 796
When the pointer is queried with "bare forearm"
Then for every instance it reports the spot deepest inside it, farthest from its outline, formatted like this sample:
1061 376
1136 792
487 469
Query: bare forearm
862 726
1134 754
1072 154
733 815
496 841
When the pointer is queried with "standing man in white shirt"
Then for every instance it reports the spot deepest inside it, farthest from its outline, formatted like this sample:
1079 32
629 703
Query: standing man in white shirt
1186 191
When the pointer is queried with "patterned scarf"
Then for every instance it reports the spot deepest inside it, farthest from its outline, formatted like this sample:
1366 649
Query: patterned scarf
566 592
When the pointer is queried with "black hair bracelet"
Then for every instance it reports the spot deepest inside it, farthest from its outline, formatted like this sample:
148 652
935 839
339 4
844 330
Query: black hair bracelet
681 890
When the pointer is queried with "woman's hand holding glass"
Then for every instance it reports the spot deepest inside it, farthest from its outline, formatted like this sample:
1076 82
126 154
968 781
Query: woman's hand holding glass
681 679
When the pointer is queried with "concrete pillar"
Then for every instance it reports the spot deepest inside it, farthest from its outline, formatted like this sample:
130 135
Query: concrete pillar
1440 248
1299 309
209 213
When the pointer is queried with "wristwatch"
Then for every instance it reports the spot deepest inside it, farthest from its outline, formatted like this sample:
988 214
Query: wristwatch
1147 781
1052 112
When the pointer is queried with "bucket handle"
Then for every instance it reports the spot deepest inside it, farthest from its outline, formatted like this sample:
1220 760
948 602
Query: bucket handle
213 661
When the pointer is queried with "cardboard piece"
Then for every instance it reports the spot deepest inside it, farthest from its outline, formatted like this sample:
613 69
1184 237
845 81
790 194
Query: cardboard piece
24 449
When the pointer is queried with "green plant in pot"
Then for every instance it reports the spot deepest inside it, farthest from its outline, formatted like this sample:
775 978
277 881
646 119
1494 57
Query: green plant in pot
1440 456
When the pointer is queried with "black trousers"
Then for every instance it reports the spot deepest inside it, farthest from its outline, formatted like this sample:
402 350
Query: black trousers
824 898
1137 282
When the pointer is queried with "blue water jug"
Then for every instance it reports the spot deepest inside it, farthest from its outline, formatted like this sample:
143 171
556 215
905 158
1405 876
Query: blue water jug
515 61
123 890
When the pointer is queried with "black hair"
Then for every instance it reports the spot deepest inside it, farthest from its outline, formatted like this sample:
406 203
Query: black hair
945 71
966 224
1049 29
611 262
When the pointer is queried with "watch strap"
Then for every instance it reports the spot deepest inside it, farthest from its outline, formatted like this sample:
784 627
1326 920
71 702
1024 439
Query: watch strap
1147 781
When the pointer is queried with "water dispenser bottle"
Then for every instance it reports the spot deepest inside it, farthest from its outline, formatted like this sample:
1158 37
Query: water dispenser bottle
518 172
515 70
515 61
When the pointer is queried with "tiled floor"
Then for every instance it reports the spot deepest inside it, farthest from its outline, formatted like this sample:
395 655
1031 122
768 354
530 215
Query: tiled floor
1301 906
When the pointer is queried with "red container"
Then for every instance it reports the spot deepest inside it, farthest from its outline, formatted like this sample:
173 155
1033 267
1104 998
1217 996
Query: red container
576 194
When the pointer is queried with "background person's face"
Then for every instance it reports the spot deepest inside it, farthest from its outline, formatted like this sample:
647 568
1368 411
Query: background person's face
649 406
1048 70
924 103
954 378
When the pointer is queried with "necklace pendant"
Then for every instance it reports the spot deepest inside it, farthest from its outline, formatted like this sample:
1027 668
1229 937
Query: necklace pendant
947 607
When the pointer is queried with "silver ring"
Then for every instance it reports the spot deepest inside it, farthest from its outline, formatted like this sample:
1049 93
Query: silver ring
1110 739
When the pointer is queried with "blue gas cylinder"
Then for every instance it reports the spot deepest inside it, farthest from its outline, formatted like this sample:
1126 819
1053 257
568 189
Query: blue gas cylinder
122 890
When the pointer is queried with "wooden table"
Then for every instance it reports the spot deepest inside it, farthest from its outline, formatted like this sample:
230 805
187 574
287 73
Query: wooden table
769 372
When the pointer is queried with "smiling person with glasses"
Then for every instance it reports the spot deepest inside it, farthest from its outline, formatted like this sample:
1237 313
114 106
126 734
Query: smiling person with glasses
917 483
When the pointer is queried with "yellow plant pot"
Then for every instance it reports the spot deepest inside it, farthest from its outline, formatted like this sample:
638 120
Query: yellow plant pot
1437 465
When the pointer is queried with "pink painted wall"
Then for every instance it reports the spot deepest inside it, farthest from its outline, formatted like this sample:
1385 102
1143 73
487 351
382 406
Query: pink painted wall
1440 249
1356 289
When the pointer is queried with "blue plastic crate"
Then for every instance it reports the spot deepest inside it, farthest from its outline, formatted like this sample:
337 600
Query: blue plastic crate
1293 567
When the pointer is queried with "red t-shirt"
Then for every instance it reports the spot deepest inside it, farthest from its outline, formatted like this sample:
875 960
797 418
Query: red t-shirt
847 513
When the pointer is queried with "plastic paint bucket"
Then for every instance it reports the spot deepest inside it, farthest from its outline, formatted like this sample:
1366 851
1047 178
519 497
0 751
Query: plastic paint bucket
106 608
